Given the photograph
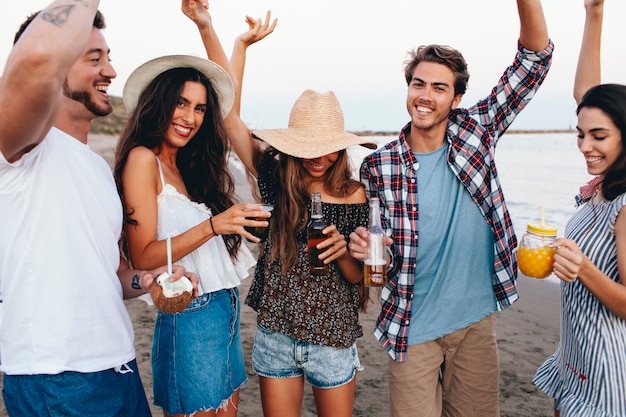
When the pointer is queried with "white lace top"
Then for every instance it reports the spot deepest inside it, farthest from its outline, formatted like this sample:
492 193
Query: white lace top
211 261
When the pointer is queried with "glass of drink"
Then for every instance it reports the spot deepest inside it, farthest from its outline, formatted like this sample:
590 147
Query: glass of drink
260 231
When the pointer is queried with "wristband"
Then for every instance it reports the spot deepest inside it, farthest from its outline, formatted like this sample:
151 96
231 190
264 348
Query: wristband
213 228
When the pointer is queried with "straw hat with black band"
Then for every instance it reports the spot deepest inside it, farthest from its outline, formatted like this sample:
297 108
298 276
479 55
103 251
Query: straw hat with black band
316 128
145 73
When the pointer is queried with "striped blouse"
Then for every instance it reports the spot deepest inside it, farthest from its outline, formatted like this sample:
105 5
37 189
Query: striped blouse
587 373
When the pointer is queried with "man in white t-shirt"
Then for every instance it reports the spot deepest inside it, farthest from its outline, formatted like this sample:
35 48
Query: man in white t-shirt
66 340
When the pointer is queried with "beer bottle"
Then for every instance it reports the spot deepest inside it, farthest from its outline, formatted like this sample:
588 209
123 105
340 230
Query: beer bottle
316 224
375 269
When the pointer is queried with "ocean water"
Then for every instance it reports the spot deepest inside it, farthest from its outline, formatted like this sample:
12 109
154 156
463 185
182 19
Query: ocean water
541 170
536 170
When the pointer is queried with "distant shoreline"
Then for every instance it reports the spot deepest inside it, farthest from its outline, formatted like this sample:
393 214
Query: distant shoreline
116 131
113 124
511 132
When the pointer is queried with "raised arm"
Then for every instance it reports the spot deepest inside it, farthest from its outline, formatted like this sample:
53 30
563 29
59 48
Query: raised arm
31 87
198 12
257 30
247 149
533 28
588 68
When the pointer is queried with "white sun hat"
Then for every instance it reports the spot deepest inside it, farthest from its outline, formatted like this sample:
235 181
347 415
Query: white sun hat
145 73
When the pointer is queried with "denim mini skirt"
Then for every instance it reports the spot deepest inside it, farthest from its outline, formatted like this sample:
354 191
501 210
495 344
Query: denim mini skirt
197 357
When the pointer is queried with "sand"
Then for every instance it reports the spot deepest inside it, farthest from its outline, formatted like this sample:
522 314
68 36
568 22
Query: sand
528 333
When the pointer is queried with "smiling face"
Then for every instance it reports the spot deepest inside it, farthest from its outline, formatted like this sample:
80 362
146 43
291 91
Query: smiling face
89 78
599 140
318 167
431 96
188 115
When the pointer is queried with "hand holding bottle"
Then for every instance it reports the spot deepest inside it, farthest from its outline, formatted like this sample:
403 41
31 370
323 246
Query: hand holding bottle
334 247
358 243
375 262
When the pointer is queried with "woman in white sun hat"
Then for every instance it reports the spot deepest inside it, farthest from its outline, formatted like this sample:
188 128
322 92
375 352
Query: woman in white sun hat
307 325
171 171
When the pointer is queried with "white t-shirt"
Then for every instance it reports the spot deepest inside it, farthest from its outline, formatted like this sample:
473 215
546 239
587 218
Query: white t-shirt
60 221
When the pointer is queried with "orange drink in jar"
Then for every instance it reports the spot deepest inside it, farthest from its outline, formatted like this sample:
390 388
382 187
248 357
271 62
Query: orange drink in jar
535 255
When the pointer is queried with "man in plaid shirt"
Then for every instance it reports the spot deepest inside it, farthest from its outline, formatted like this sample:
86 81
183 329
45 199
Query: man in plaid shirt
453 242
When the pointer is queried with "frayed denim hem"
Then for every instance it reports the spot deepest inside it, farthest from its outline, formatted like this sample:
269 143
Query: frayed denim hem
223 406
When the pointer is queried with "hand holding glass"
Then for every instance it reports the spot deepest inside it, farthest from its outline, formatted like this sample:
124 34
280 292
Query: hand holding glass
260 231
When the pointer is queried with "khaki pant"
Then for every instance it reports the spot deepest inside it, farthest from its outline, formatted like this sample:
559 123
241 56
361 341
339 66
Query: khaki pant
456 375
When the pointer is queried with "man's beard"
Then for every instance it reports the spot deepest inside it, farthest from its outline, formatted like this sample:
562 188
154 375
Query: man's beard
85 98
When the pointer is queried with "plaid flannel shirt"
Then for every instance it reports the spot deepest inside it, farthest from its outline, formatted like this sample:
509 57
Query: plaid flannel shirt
472 133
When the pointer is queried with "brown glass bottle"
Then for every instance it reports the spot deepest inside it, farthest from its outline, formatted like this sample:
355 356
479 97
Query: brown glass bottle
315 236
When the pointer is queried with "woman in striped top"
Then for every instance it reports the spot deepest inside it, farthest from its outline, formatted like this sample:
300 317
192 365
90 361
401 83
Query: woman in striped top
587 373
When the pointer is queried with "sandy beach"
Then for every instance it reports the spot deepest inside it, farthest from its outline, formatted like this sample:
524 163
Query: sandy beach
528 333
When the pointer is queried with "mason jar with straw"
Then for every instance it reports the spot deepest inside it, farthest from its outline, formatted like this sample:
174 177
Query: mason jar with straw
535 254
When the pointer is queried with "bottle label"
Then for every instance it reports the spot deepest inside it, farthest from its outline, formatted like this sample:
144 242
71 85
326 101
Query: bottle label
376 249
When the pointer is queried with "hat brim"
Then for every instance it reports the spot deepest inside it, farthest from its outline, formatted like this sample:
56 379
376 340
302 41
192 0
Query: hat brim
145 73
301 143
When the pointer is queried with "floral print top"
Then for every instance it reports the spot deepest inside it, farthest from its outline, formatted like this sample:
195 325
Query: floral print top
322 310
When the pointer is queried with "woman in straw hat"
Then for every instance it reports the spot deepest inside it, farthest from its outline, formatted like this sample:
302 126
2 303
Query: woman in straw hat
307 325
171 171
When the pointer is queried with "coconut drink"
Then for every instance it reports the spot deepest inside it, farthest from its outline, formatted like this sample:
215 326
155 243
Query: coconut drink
171 296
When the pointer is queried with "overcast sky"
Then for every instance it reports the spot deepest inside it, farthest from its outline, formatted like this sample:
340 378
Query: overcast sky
355 48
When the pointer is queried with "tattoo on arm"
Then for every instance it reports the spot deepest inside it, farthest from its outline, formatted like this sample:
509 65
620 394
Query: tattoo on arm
135 282
59 15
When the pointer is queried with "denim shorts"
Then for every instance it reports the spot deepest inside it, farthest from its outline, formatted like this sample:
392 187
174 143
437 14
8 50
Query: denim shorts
111 392
276 355
197 357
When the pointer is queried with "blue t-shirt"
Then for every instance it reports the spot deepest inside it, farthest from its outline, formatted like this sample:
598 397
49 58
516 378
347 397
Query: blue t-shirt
454 273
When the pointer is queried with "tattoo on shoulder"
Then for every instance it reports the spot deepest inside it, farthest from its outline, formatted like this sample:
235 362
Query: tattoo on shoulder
135 282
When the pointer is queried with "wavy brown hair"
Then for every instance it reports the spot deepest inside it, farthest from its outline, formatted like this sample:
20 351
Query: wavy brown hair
439 54
202 162
292 197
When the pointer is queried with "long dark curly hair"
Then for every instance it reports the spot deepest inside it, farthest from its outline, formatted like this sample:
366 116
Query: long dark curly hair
202 162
